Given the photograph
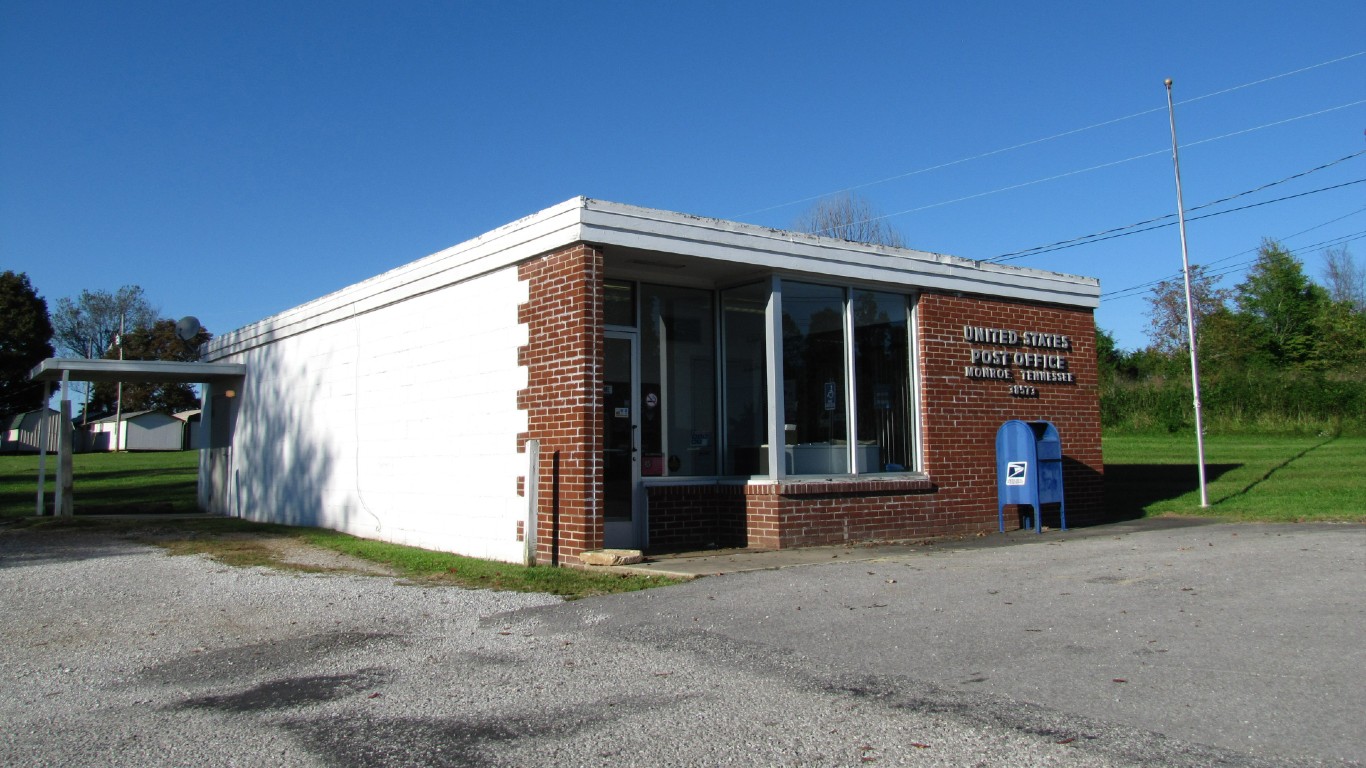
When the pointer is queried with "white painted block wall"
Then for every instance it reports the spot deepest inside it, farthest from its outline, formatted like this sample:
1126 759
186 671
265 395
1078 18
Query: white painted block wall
397 424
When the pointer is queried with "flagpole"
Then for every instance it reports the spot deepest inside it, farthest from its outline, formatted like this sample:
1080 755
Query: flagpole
1190 306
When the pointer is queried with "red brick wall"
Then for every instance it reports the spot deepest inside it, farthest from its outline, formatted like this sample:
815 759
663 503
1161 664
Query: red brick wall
564 358
693 517
961 414
796 514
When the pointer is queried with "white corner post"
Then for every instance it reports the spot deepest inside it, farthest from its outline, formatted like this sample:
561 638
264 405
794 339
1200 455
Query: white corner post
63 506
1190 306
531 487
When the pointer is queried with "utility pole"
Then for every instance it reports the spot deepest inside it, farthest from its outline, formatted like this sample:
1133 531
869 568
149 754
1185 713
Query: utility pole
1190 307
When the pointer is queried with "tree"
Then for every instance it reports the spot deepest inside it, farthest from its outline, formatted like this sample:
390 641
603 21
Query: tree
156 342
1280 304
1339 335
1110 359
87 327
1167 310
847 216
1344 278
25 341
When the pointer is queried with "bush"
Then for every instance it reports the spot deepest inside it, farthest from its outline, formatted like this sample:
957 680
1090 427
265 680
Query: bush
1289 402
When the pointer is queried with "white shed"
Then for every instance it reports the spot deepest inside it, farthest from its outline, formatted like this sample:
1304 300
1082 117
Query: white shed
191 418
141 431
19 433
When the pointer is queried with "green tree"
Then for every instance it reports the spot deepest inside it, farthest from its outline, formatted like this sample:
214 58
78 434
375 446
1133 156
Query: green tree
1167 310
1281 305
1339 333
25 341
156 342
1223 345
1111 361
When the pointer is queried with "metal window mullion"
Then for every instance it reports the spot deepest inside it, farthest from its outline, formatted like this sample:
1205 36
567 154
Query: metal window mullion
913 340
773 330
850 398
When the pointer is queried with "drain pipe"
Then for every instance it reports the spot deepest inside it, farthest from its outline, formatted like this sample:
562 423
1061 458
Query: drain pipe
555 510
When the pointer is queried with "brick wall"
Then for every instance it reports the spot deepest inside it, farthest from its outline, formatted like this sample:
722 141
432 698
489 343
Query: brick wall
962 414
693 517
564 358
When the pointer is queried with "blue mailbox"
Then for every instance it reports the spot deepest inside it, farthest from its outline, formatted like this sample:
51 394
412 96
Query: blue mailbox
1029 470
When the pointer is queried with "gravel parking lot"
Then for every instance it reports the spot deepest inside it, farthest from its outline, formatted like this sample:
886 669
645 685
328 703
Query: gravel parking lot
114 653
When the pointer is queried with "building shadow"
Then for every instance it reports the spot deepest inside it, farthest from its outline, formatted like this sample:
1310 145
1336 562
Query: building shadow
1131 488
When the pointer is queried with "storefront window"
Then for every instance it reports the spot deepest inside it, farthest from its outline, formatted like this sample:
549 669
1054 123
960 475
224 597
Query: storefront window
814 401
619 303
744 378
677 382
847 397
882 382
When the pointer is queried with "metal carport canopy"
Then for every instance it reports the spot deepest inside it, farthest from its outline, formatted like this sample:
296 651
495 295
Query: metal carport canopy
80 369
63 370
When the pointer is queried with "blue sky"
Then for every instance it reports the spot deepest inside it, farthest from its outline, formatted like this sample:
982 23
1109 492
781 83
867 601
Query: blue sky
238 159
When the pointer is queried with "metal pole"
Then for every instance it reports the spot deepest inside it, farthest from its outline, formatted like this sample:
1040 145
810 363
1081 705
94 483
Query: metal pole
43 427
63 506
85 411
118 408
1190 307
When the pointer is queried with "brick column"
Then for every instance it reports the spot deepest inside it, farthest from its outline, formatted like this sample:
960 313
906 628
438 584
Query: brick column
564 360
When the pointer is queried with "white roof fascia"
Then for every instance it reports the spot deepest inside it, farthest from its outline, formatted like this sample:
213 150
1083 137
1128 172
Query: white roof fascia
596 221
794 252
525 238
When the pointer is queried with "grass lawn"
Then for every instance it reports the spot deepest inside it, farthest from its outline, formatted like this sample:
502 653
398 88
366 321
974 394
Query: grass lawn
105 483
165 482
1249 477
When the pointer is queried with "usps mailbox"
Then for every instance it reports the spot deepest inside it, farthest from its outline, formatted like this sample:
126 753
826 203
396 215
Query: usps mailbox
1029 470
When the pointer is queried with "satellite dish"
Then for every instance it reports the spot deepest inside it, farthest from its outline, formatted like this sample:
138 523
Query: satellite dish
188 327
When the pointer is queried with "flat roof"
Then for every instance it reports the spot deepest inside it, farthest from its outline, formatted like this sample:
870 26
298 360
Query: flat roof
81 369
702 240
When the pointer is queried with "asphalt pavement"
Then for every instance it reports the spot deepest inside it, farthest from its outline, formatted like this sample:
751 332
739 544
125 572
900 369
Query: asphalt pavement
1149 643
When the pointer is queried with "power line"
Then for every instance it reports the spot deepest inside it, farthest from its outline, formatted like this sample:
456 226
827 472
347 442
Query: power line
1078 240
1288 237
1055 136
1192 218
1127 293
1140 287
1134 290
1099 167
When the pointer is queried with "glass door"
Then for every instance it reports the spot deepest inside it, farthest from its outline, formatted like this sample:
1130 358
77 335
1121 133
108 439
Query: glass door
624 523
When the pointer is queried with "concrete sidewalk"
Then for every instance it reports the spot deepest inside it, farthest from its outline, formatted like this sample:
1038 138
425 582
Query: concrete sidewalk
689 565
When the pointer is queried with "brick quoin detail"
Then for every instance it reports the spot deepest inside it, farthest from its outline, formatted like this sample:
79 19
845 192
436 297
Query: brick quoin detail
564 359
